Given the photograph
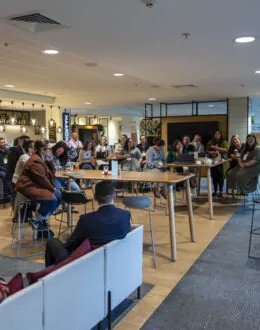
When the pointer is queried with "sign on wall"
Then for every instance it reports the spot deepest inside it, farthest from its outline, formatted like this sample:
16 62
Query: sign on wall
66 126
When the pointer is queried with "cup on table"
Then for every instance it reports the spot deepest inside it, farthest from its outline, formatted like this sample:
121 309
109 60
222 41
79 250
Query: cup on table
105 170
76 166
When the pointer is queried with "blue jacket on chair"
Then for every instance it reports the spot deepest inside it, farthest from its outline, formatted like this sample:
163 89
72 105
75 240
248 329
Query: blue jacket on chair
106 224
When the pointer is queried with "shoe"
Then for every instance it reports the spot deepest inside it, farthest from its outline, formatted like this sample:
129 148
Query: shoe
156 193
220 194
45 234
83 187
214 194
163 193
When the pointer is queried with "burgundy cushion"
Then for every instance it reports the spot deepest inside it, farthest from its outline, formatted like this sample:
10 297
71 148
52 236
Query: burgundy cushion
15 284
83 249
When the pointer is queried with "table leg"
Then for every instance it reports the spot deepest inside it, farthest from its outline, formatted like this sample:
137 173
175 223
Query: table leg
199 178
190 210
209 194
69 216
172 223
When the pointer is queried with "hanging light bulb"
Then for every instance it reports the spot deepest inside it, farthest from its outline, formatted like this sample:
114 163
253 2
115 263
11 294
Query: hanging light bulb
12 119
2 128
51 121
23 129
59 130
43 129
33 119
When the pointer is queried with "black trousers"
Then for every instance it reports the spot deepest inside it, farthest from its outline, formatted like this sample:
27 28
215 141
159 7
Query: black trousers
217 177
55 252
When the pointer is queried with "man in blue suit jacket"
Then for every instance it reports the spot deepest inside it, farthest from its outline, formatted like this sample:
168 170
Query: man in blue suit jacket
106 224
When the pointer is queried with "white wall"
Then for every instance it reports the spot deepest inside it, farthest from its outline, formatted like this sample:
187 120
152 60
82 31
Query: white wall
113 131
13 131
128 121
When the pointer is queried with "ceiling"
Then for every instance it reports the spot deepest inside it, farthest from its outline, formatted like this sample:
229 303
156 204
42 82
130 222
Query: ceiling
144 43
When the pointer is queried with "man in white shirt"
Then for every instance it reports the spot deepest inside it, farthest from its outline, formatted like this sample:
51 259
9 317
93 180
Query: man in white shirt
75 143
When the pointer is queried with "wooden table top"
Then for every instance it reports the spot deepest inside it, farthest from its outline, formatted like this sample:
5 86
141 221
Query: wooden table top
196 165
160 177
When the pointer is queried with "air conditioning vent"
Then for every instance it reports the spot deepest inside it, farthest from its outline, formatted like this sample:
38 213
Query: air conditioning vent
184 86
34 22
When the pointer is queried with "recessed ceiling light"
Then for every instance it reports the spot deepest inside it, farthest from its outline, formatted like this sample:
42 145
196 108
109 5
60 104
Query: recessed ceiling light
257 72
51 51
244 40
152 99
87 103
9 86
118 74
211 105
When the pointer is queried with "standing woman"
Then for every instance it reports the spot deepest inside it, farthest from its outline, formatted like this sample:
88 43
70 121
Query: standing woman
36 182
217 146
244 176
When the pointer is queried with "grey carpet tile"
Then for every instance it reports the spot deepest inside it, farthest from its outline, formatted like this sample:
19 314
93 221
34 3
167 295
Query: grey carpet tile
222 289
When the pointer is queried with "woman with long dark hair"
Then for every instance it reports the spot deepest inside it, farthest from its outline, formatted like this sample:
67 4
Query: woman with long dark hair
217 146
244 176
132 156
62 154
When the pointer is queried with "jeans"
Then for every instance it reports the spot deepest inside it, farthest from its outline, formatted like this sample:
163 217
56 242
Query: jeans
48 207
86 167
55 252
62 183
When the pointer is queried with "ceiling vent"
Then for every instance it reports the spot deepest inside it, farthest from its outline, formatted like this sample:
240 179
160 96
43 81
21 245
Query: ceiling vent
34 22
184 86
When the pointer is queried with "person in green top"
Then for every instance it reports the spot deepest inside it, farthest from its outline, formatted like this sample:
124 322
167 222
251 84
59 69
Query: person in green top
177 149
214 147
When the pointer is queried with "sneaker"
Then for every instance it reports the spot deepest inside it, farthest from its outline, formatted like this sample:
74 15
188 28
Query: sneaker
156 193
214 194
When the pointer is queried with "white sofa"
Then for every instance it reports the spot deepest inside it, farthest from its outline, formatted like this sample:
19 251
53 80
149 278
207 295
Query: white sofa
81 294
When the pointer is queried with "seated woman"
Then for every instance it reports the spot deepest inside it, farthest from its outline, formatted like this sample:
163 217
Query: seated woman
86 159
62 154
131 157
177 150
36 182
244 176
28 147
196 142
103 147
215 147
186 143
155 162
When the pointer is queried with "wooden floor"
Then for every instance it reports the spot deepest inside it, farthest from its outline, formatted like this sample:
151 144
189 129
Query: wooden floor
168 274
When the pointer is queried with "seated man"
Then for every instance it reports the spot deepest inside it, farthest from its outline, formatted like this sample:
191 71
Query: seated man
106 224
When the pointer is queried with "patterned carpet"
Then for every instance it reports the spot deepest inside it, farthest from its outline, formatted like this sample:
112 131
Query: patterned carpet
222 289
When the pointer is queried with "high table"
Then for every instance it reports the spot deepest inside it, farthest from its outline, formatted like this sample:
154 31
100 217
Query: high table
161 177
208 167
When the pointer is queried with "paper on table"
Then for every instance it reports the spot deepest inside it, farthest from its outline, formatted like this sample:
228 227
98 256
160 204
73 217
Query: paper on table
114 168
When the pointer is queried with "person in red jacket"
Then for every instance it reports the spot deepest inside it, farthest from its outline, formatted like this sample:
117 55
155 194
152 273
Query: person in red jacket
36 182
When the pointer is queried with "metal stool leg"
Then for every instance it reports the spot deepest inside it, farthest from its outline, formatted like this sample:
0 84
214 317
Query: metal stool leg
251 230
152 238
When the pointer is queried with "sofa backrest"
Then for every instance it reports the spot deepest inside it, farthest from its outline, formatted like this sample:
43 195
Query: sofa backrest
74 295
123 265
23 310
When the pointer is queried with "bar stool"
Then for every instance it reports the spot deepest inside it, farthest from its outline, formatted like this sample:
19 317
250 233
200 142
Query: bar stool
19 228
142 203
73 198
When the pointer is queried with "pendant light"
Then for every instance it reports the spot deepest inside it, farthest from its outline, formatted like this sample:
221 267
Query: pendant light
59 130
24 129
12 119
43 129
33 119
51 121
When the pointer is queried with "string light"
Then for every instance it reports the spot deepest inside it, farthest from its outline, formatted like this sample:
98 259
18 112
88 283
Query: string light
51 121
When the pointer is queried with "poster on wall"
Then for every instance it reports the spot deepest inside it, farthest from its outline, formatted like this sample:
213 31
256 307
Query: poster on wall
66 126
